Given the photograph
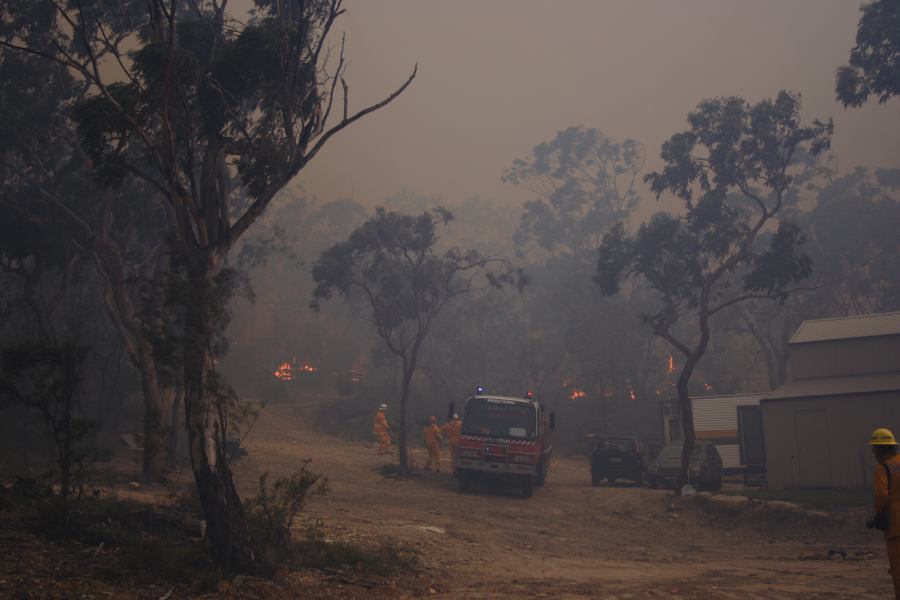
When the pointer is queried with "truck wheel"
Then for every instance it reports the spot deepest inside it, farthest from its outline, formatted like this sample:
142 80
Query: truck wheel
595 479
527 486
541 473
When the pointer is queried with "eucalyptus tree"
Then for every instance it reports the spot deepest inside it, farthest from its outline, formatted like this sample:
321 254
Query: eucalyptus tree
583 182
218 116
732 171
394 262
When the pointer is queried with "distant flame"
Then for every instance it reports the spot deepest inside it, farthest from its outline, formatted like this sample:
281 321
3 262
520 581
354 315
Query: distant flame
632 395
577 394
287 370
670 365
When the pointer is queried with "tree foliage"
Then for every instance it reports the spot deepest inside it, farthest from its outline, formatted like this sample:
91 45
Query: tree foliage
394 261
584 182
874 66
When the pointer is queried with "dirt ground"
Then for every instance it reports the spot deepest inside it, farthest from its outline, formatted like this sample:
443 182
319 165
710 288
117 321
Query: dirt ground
570 540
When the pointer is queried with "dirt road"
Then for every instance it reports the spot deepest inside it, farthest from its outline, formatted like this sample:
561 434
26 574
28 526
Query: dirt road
570 540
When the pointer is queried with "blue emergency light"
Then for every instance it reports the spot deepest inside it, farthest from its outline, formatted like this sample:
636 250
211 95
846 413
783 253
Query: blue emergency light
479 390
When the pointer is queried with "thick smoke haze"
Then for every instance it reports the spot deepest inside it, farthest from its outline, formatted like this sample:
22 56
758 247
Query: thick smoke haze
495 78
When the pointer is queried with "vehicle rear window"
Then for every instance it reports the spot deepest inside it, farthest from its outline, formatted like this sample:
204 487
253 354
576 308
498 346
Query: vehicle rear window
670 451
617 445
674 451
498 419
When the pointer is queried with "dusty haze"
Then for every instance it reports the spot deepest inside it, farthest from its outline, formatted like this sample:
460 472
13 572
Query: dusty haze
495 78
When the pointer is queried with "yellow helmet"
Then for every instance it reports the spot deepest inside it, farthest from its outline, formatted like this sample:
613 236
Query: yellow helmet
882 437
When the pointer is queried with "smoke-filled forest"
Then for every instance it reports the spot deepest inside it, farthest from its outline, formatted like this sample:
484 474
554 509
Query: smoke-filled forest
274 275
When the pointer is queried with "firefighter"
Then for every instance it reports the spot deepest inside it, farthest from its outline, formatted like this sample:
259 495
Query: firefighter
450 431
887 498
382 431
431 435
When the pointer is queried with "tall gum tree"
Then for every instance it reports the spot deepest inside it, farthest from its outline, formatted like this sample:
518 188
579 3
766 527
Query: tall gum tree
393 261
732 170
46 179
218 116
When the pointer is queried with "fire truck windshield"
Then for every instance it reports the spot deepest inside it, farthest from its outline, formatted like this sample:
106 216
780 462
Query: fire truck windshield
498 418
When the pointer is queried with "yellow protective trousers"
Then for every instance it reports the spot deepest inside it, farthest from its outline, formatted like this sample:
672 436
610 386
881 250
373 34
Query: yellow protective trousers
893 552
384 443
434 457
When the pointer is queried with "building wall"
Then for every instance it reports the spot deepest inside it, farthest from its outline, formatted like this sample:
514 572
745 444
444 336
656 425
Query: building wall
822 441
834 358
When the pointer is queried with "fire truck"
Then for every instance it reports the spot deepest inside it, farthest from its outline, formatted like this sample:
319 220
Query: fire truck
506 438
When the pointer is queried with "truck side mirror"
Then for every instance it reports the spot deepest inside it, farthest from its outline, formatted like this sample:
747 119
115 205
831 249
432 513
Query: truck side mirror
552 421
451 410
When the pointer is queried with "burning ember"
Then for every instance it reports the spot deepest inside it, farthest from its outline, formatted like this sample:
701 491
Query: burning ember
577 394
286 371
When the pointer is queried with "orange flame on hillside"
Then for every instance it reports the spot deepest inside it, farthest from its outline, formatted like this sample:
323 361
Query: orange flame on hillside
577 394
286 370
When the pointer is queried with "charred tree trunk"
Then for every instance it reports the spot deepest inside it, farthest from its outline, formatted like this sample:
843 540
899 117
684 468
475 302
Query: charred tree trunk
402 436
155 416
226 528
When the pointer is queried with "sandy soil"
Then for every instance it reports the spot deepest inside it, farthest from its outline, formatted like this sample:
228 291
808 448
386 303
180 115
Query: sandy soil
570 540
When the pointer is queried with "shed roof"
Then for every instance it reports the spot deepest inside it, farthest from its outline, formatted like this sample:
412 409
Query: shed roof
837 386
841 328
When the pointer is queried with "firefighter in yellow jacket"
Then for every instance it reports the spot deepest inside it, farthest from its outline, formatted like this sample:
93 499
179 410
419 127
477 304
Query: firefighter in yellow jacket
431 435
382 431
887 498
450 431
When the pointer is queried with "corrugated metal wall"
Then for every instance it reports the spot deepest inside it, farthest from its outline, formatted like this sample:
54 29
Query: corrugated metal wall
715 419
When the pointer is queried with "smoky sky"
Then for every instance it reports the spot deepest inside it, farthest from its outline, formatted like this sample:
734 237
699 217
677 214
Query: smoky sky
498 76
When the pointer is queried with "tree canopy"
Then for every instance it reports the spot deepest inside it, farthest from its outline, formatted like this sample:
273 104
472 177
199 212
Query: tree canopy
394 261
732 170
874 66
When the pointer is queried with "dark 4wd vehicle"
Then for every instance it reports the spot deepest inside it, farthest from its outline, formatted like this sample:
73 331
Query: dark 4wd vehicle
617 458
704 471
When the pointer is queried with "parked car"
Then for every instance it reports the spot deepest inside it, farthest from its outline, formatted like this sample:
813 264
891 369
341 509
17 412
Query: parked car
617 457
704 471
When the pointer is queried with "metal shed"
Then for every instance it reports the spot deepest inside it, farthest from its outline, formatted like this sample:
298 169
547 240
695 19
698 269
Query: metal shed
846 382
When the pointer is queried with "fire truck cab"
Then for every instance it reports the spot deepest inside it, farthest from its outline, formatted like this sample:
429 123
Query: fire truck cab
504 437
